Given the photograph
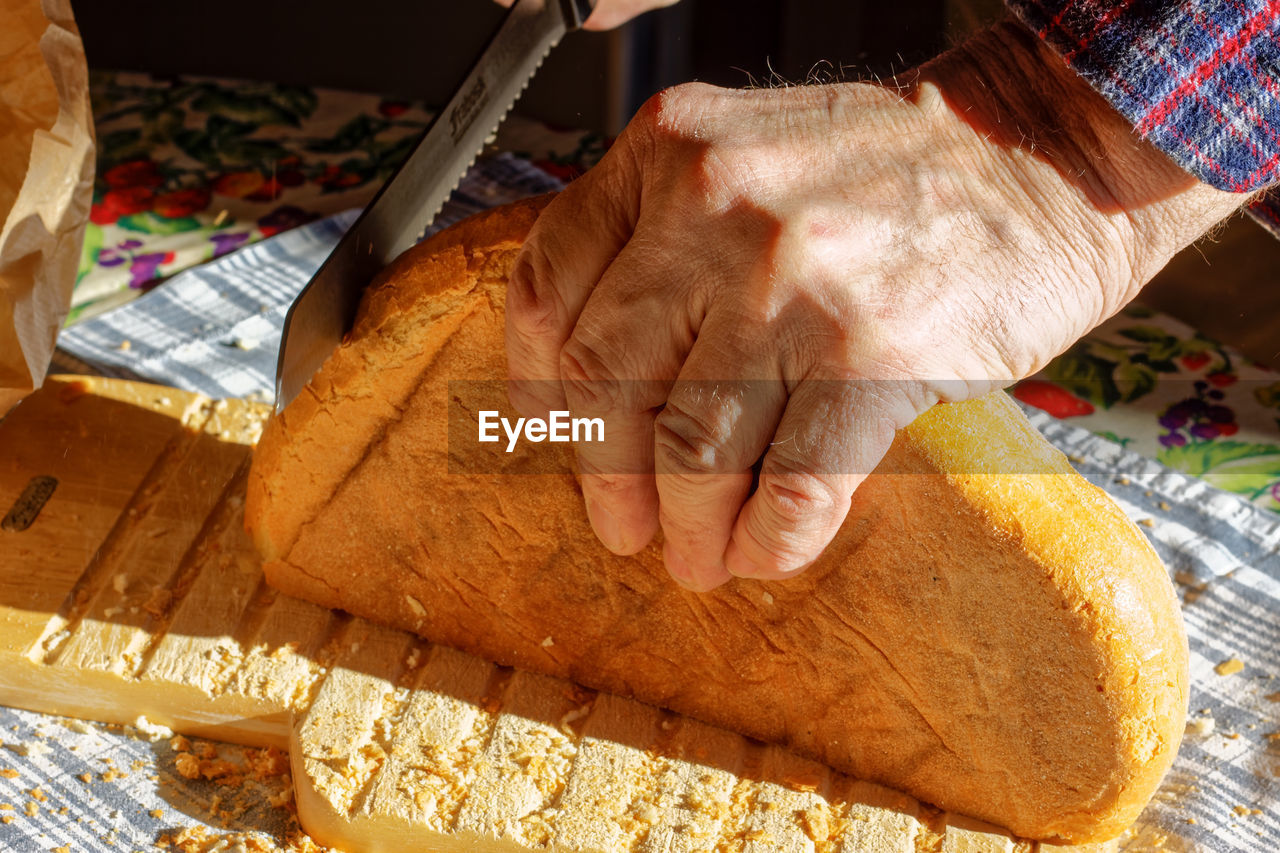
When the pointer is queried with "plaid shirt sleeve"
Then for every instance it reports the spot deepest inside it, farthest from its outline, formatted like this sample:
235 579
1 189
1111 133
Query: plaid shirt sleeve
1200 80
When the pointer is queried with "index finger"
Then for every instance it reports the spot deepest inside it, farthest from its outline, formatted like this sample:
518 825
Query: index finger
571 244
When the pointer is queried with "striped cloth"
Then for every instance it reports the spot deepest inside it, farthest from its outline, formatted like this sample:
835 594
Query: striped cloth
1200 80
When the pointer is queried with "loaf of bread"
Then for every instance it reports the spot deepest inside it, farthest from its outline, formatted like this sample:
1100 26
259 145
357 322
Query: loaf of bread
988 632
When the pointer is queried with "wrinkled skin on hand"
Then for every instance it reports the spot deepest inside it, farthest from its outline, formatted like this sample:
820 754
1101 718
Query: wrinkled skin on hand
795 274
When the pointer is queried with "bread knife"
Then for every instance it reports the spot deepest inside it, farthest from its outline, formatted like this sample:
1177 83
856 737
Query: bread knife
407 203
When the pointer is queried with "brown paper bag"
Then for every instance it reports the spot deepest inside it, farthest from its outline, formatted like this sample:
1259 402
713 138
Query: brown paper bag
46 183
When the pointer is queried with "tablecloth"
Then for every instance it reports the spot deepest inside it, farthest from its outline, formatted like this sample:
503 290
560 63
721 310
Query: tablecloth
190 168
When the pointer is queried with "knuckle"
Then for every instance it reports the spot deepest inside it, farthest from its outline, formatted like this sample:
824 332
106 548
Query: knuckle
774 550
590 382
798 499
690 440
671 110
534 305
679 116
690 146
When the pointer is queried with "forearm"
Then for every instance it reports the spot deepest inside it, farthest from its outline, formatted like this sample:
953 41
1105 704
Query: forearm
1139 206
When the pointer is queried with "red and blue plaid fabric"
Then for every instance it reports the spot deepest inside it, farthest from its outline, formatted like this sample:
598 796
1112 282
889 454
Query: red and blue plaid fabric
1199 80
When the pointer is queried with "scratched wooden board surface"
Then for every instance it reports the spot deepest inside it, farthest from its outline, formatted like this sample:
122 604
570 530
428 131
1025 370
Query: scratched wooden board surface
130 589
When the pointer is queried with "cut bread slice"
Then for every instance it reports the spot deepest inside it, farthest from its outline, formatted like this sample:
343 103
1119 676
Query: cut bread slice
988 632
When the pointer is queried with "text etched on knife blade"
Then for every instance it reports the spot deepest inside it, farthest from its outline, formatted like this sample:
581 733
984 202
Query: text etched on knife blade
462 115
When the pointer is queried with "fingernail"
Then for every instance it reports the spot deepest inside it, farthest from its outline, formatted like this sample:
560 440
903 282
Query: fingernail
607 527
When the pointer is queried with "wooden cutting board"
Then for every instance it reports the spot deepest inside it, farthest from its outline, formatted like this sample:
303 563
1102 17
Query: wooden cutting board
128 588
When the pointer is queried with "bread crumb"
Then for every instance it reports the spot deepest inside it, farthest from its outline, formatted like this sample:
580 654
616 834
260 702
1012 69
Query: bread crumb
152 731
1230 666
284 796
1202 726
9 773
187 765
1164 505
767 597
1272 697
31 808
547 642
1241 810
32 749
125 345
416 606
1147 522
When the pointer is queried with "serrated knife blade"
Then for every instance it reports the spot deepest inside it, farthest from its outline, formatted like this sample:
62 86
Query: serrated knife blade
408 202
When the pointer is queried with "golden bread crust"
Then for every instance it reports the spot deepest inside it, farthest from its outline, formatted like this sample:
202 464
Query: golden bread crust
1004 645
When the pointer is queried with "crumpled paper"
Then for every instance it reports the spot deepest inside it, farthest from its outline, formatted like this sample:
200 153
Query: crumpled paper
46 183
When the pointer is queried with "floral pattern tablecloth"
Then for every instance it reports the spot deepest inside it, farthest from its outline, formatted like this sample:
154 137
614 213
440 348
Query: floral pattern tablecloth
192 168
1155 385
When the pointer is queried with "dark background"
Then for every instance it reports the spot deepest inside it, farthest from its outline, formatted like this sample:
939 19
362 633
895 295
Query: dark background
422 48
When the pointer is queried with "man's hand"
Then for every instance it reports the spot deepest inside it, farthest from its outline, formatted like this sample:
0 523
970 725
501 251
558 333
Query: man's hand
798 273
